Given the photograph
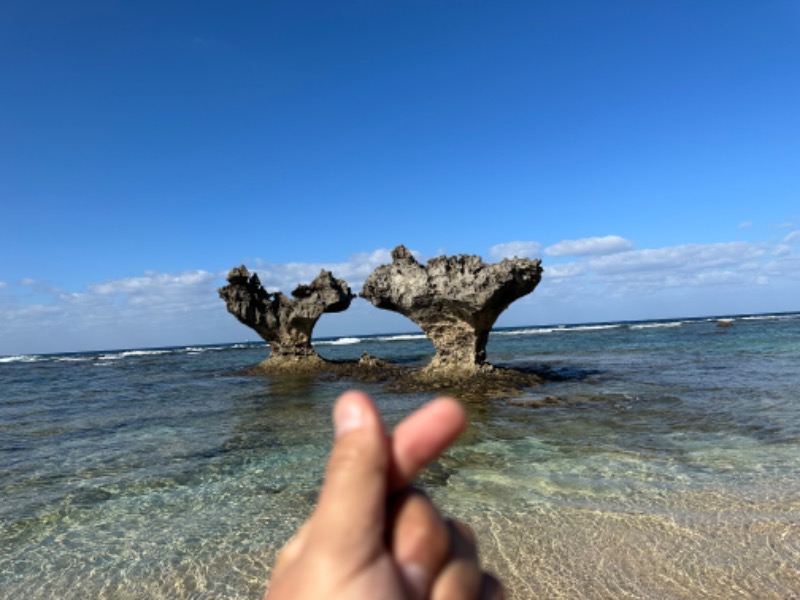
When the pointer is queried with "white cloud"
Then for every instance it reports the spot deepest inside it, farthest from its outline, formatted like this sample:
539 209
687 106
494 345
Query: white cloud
564 270
781 250
691 257
792 237
609 244
286 276
137 311
518 249
745 225
158 309
151 282
3 284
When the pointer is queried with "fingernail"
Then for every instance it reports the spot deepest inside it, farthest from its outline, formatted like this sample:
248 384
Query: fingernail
416 578
347 417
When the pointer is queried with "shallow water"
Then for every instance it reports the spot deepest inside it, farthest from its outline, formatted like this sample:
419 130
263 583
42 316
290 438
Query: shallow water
667 468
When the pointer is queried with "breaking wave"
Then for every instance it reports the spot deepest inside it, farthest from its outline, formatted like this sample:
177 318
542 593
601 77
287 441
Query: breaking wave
345 341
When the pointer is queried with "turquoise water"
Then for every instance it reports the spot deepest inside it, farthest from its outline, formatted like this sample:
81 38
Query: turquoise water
666 468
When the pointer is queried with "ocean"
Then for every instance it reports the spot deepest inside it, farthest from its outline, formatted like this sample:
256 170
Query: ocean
660 460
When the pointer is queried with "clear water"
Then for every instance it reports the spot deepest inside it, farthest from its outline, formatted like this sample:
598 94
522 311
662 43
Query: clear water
669 469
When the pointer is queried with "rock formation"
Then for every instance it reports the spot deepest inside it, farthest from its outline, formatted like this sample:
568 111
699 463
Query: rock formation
285 323
455 300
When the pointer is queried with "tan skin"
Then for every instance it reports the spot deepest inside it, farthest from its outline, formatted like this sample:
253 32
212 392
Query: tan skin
371 534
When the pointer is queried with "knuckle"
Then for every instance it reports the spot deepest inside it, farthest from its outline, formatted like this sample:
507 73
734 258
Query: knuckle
491 588
345 457
464 531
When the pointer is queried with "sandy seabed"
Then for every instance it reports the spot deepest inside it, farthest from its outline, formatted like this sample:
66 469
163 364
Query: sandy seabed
699 544
733 549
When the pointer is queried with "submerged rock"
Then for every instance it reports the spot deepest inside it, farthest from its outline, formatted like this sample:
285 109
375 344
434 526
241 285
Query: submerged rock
455 301
286 324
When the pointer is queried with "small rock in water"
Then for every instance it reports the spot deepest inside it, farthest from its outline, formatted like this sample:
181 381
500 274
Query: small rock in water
87 497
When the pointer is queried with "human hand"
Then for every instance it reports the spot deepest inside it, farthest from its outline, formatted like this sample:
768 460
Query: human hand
371 536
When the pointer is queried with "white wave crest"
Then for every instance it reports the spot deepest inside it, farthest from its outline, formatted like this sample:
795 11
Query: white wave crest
559 329
20 358
143 352
201 349
657 325
778 317
530 331
403 337
132 353
345 341
593 327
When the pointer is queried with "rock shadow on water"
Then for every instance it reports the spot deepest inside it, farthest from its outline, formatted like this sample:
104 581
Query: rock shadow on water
490 381
565 401
87 497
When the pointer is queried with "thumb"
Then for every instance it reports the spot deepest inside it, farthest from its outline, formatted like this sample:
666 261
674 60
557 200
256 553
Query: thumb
352 503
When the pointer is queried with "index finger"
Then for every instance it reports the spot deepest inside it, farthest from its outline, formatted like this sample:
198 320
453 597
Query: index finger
422 437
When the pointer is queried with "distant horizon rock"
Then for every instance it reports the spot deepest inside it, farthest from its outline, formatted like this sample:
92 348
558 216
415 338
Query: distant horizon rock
455 300
285 323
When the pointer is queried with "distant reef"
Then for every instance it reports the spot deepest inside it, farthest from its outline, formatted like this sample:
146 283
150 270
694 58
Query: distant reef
455 300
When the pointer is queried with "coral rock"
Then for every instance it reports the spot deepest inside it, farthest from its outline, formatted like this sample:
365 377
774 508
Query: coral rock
455 301
285 323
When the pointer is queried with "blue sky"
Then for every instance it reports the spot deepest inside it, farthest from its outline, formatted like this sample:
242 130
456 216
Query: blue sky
648 152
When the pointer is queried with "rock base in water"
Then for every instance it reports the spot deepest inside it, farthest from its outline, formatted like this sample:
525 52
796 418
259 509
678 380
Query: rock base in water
487 382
